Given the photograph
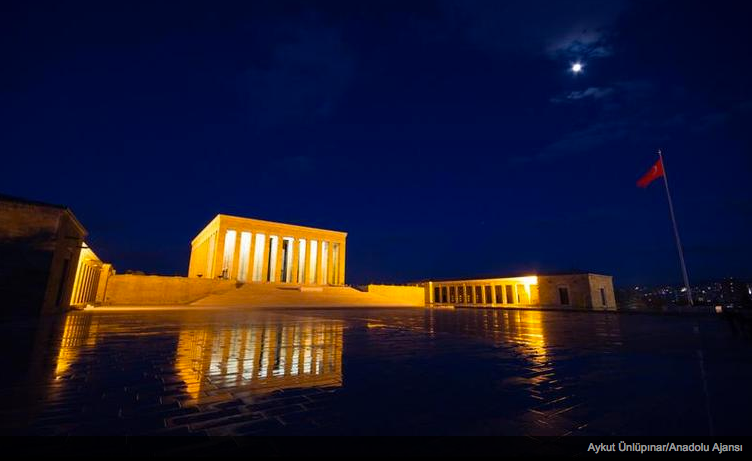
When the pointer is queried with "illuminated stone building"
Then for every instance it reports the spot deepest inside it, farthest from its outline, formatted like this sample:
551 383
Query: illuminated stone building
251 250
39 248
46 266
86 286
572 290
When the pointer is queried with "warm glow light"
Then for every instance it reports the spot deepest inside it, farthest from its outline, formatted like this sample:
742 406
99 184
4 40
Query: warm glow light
87 275
529 280
260 357
79 331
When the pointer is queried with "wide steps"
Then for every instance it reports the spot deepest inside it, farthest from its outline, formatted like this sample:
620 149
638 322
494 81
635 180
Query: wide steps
294 296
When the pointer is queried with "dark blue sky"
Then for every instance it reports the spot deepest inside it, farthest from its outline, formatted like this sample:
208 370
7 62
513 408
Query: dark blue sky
449 139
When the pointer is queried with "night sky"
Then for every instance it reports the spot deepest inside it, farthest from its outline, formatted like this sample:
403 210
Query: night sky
450 139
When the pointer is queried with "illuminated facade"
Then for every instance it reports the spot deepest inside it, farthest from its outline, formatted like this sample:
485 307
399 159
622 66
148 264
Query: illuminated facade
572 290
47 267
40 245
251 250
86 283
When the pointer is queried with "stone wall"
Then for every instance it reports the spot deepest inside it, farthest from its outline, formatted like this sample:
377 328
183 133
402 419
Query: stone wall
149 290
584 290
414 295
39 250
607 283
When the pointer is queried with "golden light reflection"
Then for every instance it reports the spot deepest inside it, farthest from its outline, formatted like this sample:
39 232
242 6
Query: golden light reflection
521 328
79 330
529 285
267 356
525 329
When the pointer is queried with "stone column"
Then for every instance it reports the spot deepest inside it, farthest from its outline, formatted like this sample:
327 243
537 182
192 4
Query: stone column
324 261
219 252
330 264
249 277
294 265
211 255
234 268
514 293
301 276
265 259
341 275
278 264
319 257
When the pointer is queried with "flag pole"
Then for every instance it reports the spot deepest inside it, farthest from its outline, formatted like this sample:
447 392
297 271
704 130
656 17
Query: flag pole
676 231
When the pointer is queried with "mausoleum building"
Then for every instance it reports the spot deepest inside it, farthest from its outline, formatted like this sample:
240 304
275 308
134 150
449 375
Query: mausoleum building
252 250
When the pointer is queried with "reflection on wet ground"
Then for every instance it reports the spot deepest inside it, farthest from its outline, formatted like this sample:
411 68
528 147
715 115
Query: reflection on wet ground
376 371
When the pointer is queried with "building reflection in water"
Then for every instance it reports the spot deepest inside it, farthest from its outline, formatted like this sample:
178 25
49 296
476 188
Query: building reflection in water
537 337
265 356
79 331
525 330
269 356
522 329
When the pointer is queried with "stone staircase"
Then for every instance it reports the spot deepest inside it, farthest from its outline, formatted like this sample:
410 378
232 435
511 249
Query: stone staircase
264 295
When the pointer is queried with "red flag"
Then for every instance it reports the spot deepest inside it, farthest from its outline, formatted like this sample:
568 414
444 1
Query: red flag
655 172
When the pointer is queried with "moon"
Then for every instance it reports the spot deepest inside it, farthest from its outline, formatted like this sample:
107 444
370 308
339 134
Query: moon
577 67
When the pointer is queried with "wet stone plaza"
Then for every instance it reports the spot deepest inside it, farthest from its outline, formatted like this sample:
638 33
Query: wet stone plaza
375 372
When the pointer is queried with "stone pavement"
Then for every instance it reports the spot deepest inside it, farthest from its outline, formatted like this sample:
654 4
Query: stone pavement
376 371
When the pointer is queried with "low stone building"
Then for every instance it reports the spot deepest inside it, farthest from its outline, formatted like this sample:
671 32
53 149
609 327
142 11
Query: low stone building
585 290
593 291
40 245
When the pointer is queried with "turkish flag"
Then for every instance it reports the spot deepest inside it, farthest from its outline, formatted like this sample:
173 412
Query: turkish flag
655 172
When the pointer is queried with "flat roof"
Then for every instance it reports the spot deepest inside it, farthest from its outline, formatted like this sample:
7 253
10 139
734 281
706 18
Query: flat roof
63 208
512 277
25 201
276 223
218 219
485 279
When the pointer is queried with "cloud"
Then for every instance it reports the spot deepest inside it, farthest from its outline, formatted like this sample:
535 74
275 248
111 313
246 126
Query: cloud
629 111
557 29
583 44
592 92
636 90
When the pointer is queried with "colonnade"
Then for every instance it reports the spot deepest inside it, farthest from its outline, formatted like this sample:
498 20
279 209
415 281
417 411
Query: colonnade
86 281
510 291
259 251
